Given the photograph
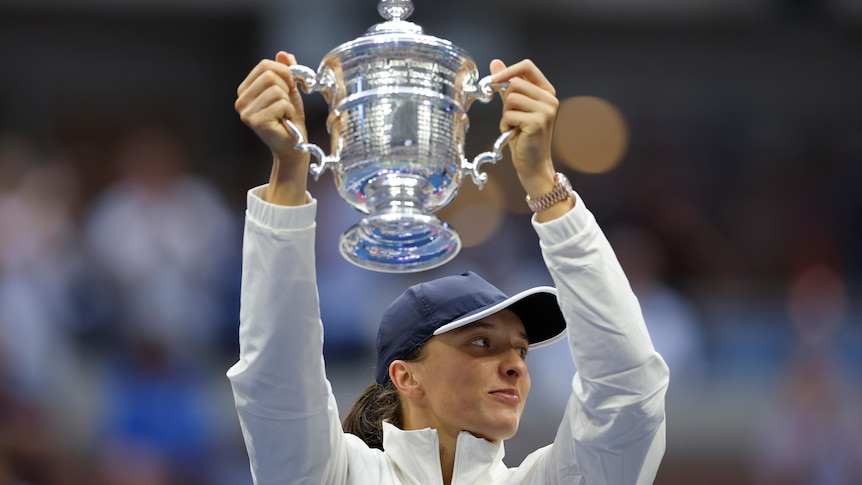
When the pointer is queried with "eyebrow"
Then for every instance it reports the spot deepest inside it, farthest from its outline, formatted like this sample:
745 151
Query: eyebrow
490 326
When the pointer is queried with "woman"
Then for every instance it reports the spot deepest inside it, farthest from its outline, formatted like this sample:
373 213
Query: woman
451 376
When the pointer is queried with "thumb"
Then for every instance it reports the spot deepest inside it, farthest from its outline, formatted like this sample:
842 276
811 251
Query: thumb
497 65
295 96
285 58
288 60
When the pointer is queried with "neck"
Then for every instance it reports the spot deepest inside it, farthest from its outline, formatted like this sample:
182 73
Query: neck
448 444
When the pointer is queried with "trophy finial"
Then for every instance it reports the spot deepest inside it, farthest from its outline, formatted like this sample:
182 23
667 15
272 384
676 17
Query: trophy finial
395 9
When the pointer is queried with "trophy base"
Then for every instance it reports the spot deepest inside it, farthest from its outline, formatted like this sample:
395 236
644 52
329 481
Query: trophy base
400 243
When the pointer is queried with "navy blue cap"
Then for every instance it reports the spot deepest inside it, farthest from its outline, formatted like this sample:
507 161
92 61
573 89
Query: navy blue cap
447 303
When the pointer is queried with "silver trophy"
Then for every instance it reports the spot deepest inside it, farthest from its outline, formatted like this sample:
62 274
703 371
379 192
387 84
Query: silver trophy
398 102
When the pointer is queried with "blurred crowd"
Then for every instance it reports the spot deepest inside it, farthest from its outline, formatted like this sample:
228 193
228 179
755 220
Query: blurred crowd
119 313
117 319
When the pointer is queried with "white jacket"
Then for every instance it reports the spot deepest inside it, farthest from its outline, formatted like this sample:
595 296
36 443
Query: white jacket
613 430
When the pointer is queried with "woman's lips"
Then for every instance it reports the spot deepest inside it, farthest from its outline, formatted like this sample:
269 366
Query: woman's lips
507 396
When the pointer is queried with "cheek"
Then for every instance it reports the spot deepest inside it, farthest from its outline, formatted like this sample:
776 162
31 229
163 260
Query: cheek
453 379
463 373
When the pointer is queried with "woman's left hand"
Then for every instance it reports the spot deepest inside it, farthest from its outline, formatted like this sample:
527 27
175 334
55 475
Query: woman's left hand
530 108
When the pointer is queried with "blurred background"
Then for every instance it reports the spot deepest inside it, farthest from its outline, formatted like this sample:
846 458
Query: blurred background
718 142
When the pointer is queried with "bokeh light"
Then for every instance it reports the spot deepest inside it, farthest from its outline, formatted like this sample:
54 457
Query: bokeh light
591 135
476 214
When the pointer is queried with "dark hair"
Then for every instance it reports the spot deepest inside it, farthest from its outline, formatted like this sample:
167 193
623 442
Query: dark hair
377 403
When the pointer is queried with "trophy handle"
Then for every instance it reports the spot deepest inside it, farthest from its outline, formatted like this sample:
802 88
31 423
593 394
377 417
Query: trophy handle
484 92
310 83
307 77
491 156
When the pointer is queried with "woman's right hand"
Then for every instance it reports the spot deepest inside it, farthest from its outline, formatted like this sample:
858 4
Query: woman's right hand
268 95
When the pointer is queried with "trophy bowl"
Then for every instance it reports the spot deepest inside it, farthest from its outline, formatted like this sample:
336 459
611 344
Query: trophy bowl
398 102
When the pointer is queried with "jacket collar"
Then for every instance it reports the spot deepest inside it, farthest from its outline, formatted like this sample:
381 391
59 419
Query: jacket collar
417 454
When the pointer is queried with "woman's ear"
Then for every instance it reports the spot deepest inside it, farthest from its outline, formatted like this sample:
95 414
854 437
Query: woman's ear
403 376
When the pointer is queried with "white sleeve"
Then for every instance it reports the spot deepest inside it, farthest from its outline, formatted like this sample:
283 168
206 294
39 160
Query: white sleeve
287 413
613 431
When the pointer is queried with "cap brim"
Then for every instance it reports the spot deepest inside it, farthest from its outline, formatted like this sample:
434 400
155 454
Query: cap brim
537 308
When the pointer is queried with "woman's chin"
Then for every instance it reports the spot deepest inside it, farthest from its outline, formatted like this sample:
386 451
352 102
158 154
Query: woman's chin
501 432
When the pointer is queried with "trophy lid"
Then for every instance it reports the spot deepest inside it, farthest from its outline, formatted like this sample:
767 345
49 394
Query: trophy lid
396 34
395 12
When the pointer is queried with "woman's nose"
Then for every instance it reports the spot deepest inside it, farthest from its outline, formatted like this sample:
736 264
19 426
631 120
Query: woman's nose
513 363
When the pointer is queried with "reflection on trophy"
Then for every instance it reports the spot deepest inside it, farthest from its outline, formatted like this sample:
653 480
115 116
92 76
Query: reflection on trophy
398 102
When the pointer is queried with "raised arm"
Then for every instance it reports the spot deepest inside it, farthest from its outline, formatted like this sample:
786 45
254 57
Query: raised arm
613 431
287 413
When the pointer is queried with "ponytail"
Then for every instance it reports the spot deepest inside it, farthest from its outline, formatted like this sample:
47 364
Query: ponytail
377 403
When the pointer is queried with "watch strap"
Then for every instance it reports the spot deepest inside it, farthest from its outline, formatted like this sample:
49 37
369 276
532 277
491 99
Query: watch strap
561 191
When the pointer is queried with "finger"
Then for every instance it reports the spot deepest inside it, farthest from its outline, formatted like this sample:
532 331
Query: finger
285 58
267 117
527 70
522 104
268 123
528 102
271 105
530 90
523 122
266 82
266 74
497 65
290 60
519 108
281 69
